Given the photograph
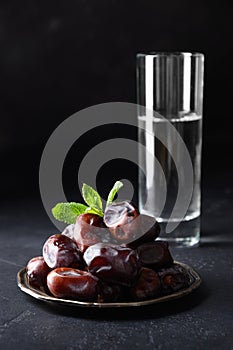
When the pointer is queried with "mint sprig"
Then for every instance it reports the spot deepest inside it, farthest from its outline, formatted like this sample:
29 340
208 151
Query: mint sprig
117 186
68 212
90 210
92 198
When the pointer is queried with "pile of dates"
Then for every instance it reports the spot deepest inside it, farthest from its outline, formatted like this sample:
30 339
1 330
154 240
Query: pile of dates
109 259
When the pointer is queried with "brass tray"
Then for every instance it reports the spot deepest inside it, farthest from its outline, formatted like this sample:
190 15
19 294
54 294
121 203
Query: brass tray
195 281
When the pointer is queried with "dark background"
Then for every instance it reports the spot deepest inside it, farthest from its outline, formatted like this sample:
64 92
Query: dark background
57 57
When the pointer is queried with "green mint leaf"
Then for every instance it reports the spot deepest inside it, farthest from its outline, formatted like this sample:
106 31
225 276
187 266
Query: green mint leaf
90 210
117 186
78 208
68 212
92 198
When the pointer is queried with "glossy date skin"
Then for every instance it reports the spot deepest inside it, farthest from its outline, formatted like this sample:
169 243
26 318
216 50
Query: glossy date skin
155 254
90 229
69 231
147 285
119 265
128 226
61 251
119 218
37 271
120 213
72 283
144 229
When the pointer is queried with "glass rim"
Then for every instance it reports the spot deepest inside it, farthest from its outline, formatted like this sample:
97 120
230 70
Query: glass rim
170 54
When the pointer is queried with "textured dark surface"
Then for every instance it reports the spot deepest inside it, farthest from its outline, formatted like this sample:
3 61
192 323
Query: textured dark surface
199 321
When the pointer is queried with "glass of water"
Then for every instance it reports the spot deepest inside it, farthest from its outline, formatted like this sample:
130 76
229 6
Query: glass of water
170 100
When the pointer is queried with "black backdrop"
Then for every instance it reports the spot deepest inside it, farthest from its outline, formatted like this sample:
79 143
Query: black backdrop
57 57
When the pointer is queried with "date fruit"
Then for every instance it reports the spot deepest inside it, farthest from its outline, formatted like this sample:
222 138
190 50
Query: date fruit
143 229
119 217
37 271
108 292
173 279
69 231
120 213
128 226
147 285
90 229
65 282
61 251
116 264
155 254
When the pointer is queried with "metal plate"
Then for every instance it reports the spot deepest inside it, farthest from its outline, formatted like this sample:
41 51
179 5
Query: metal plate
195 281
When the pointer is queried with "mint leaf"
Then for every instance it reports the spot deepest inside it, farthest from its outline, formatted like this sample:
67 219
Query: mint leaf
92 198
90 210
117 186
68 212
78 208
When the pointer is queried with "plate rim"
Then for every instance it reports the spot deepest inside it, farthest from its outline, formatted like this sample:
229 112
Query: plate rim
40 295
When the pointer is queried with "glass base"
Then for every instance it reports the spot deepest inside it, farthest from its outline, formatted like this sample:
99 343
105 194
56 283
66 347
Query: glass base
182 242
187 234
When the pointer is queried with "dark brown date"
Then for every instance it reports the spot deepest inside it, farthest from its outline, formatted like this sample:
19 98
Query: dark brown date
90 229
128 226
119 265
155 254
144 229
108 292
147 285
61 251
65 282
119 218
120 213
37 271
173 279
69 231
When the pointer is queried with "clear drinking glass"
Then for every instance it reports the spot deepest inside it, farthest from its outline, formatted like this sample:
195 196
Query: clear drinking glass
170 100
